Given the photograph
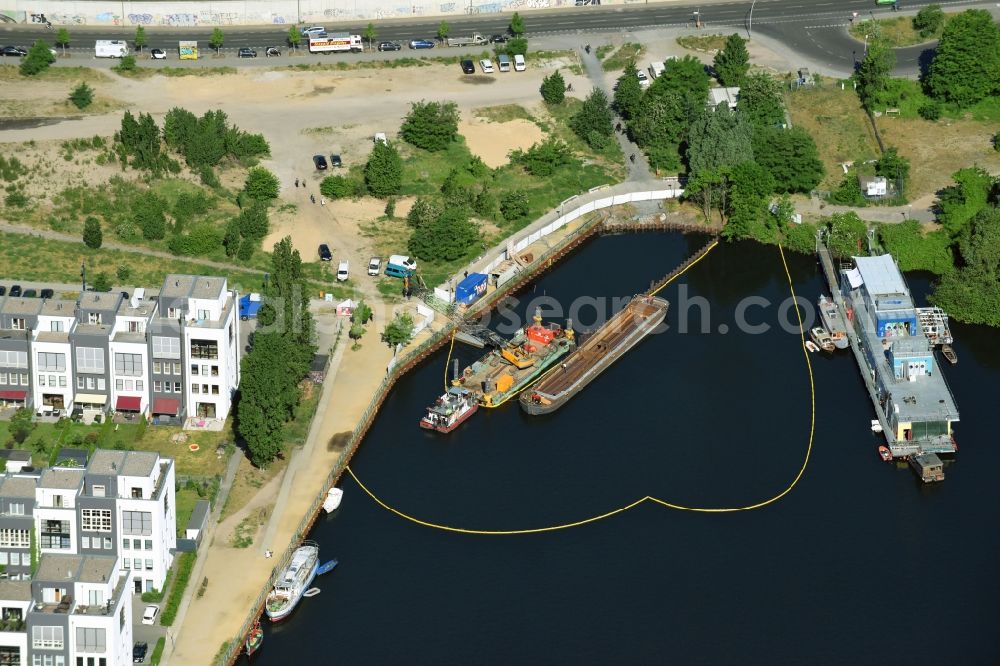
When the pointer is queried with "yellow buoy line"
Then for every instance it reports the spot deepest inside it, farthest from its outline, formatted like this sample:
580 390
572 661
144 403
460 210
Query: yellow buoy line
647 498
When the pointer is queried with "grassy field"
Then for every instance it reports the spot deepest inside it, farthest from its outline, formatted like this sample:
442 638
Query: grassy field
141 72
503 113
203 463
74 74
707 43
628 52
897 32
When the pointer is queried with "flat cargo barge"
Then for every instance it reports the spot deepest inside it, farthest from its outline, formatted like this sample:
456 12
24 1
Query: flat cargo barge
622 332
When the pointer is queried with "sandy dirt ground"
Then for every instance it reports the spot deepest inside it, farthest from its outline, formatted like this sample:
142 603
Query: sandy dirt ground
494 141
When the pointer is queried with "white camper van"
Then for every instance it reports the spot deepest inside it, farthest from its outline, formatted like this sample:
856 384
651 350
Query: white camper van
519 63
110 48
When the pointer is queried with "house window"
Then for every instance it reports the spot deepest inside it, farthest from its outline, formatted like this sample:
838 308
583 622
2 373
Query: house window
137 493
215 389
55 534
128 384
62 381
94 318
204 389
3 377
10 538
119 384
90 359
51 361
125 544
79 382
96 520
177 369
165 347
204 370
85 542
17 323
157 386
16 509
149 544
204 314
56 326
90 639
194 388
101 386
138 385
57 501
157 367
97 490
52 380
136 327
137 564
177 387
207 349
215 371
127 563
194 368
137 523
41 380
136 544
24 379
172 313
10 656
94 598
90 382
47 637
149 565
14 359
107 543
129 365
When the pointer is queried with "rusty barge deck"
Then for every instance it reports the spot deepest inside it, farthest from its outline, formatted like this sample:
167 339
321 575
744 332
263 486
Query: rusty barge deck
622 332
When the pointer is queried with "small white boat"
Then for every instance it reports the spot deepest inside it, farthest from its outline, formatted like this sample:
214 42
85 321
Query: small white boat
821 337
311 592
811 346
332 501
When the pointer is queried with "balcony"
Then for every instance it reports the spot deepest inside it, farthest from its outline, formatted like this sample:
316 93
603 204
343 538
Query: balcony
12 623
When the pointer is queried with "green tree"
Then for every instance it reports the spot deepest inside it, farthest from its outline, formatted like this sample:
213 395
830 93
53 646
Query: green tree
628 92
231 239
929 20
719 138
147 210
384 170
542 159
261 184
336 187
847 233
123 273
443 30
399 331
294 37
217 39
668 107
791 156
362 313
514 205
486 203
593 122
424 211
707 187
733 62
514 46
265 394
21 425
102 282
82 95
431 125
92 236
553 88
140 38
958 204
369 34
760 101
38 59
894 167
140 139
126 64
750 187
516 26
972 292
966 64
447 238
872 76
253 223
62 39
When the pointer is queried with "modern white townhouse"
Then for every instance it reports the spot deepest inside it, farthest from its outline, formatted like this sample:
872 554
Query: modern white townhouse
171 356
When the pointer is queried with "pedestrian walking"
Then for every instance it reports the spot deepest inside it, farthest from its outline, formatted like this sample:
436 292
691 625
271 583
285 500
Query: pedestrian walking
312 198
296 182
632 157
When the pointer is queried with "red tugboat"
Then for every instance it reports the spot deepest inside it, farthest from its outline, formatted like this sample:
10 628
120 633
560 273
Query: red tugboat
450 410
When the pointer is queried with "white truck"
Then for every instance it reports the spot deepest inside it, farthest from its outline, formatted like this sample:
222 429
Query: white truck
656 69
335 43
467 41
110 48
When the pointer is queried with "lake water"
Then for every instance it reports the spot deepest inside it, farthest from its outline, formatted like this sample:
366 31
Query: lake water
860 563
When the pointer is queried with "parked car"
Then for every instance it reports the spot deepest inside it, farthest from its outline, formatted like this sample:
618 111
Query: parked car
158 54
46 293
30 293
272 52
335 161
320 162
324 253
374 265
343 270
16 51
139 651
422 44
15 291
499 39
3 290
149 615
246 52
519 65
487 65
313 30
643 79
389 46
468 67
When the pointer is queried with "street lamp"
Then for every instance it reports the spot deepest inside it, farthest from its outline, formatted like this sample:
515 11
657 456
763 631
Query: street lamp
750 23
83 274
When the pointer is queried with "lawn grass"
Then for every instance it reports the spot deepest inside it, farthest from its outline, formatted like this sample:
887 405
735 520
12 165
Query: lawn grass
249 480
897 31
628 52
154 659
704 43
184 500
201 463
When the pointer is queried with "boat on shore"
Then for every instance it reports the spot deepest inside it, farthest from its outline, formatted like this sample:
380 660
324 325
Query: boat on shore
609 343
450 410
829 312
504 372
821 338
333 498
292 582
949 354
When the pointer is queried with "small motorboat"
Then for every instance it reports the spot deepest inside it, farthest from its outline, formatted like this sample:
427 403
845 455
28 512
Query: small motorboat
332 501
254 638
812 346
949 353
311 592
822 338
884 453
326 567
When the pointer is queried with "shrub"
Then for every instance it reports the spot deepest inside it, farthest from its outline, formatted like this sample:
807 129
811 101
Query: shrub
185 563
514 205
431 125
102 282
148 214
127 64
92 236
124 273
928 20
542 159
261 184
553 88
390 208
16 199
930 110
208 177
38 59
336 187
82 96
202 240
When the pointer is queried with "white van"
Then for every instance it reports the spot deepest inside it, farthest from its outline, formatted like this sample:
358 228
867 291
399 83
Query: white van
486 65
503 62
656 69
342 271
110 48
519 63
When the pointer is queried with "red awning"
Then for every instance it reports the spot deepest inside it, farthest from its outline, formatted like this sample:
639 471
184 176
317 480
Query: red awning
13 395
166 406
128 403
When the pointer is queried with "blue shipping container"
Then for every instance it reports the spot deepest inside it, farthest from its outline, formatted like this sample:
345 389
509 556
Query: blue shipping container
471 288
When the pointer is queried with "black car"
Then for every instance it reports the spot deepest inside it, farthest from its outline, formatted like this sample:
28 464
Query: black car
499 39
3 290
139 652
246 52
15 291
389 46
335 161
324 253
30 293
468 67
320 162
46 293
16 51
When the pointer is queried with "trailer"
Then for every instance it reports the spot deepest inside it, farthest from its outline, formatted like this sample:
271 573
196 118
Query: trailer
188 50
471 288
249 306
656 69
467 41
335 43
110 48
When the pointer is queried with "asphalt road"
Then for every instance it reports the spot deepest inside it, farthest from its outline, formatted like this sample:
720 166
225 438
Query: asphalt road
815 30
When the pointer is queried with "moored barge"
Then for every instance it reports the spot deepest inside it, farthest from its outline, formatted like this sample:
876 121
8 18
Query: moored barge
622 332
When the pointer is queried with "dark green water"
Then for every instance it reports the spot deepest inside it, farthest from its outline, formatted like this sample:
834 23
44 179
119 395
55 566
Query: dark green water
858 564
